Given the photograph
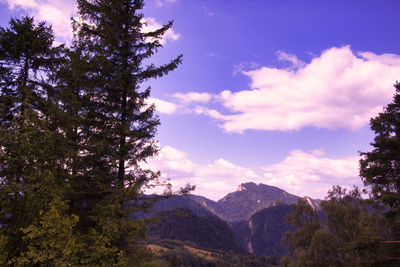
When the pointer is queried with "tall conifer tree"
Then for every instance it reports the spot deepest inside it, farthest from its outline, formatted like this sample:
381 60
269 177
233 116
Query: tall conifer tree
380 168
117 126
31 172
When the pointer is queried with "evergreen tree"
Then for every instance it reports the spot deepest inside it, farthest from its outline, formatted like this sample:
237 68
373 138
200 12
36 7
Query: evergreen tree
380 168
114 127
31 173
74 132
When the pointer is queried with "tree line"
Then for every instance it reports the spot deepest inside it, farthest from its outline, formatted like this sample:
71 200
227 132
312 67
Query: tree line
75 128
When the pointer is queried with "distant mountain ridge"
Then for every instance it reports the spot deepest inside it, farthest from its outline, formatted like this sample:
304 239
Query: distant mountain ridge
249 199
255 216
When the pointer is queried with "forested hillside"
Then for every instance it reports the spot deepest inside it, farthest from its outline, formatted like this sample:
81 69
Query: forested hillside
207 232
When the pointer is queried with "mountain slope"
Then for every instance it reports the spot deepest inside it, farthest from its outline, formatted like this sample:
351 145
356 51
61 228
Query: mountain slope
263 233
208 232
174 202
250 198
268 226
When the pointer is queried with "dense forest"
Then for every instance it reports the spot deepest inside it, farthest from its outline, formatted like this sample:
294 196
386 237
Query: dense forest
75 128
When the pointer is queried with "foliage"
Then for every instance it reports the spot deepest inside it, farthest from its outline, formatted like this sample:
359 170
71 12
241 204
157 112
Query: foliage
115 126
30 171
380 168
346 232
75 128
50 240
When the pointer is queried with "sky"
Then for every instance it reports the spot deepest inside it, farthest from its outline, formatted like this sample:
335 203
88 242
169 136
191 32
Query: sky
272 92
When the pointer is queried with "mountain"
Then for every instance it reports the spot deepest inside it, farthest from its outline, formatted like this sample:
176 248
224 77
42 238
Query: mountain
174 202
234 207
251 198
206 203
251 219
267 227
262 233
208 232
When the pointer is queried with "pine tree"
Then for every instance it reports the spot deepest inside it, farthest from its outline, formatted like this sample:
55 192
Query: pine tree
74 133
32 176
116 126
380 168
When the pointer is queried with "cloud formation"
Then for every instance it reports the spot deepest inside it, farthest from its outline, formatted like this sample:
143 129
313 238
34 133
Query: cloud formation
311 173
58 13
213 180
193 97
338 89
162 106
300 173
296 63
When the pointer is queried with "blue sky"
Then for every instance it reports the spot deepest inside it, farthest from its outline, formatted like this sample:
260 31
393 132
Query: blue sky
274 92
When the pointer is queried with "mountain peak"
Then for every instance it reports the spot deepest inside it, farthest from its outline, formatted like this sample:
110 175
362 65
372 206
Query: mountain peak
252 187
245 186
250 198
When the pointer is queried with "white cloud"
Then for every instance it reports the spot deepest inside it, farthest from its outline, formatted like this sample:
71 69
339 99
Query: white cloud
296 63
209 112
300 173
244 66
193 97
151 25
213 180
310 173
163 106
338 89
57 13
